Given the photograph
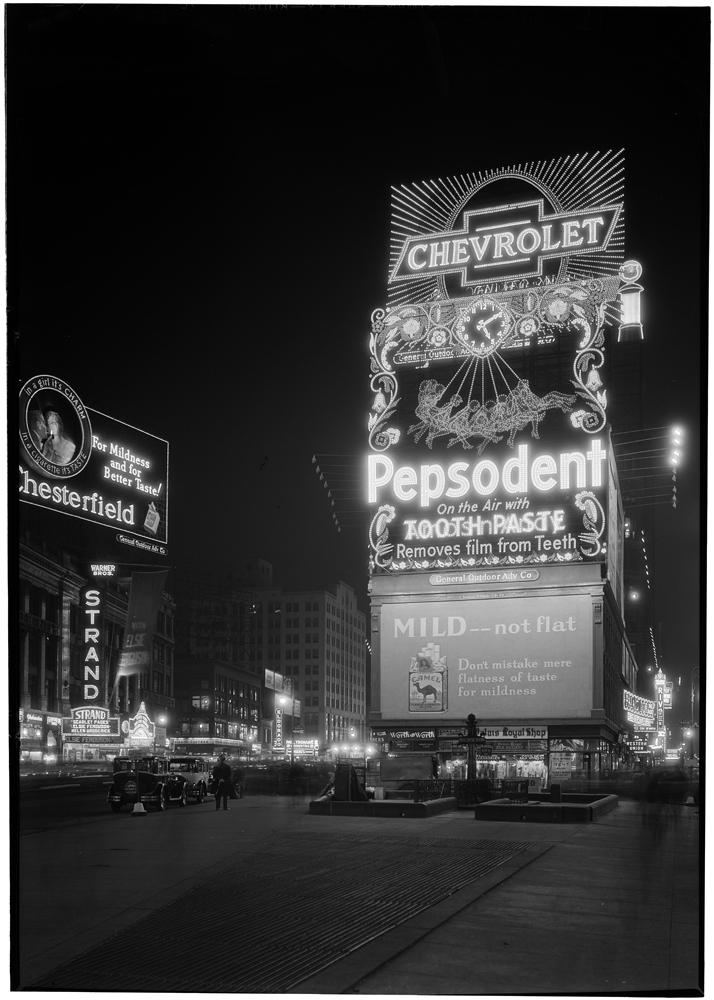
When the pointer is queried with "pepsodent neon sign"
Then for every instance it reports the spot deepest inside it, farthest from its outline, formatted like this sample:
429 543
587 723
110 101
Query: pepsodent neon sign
462 523
512 240
428 483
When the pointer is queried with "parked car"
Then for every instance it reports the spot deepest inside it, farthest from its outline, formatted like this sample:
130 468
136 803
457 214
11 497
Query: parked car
142 780
188 778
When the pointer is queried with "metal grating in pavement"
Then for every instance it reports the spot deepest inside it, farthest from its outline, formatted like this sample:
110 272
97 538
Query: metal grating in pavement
272 920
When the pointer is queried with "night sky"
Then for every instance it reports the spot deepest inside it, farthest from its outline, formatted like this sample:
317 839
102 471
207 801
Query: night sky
198 232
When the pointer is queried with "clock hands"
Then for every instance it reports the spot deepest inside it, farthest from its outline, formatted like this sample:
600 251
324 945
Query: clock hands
483 323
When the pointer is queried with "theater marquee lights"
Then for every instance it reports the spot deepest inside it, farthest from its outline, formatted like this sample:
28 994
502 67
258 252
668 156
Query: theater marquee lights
471 464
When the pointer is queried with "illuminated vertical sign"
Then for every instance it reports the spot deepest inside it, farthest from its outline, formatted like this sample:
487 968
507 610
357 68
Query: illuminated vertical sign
660 685
92 605
144 603
278 740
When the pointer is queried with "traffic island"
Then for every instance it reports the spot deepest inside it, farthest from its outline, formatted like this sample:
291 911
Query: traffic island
385 808
572 808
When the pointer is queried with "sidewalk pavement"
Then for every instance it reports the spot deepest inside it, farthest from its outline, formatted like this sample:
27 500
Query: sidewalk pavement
312 905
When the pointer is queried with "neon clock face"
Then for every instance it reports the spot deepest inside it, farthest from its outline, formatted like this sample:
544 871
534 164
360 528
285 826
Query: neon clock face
483 327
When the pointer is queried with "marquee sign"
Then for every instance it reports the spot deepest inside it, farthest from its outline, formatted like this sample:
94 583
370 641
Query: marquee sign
83 463
640 711
90 723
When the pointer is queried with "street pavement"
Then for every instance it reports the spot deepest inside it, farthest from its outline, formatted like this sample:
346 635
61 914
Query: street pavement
307 904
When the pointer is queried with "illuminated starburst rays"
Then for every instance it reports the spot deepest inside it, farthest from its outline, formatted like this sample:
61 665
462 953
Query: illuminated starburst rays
569 183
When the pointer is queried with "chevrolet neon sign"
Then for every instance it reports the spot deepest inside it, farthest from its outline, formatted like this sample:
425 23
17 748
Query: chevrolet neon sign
506 242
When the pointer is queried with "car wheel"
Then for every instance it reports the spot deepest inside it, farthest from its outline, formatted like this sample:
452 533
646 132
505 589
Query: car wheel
116 806
199 797
161 801
184 797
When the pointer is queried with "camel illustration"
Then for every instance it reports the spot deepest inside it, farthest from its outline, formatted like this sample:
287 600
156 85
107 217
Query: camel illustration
426 691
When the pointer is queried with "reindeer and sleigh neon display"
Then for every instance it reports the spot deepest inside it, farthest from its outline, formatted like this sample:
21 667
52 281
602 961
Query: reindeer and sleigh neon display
480 400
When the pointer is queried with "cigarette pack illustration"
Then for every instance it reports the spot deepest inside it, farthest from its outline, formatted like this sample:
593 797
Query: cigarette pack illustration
428 676
152 519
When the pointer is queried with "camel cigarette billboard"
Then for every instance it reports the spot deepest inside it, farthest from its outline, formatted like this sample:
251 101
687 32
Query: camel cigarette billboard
518 658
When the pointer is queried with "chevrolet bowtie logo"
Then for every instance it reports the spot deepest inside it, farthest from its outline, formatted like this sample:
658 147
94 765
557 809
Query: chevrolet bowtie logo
510 242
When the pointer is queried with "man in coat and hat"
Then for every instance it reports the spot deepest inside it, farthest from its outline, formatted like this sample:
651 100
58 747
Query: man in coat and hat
221 774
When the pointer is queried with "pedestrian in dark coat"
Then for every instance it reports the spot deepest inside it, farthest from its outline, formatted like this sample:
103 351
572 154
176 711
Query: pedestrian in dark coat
221 774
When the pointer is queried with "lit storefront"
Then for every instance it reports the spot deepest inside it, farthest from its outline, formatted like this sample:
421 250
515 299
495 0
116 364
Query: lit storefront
40 737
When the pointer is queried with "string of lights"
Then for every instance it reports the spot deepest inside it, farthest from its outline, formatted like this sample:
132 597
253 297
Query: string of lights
629 473
342 481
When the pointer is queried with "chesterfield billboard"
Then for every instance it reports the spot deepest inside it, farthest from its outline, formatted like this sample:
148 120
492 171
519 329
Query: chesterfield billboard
488 432
85 464
514 658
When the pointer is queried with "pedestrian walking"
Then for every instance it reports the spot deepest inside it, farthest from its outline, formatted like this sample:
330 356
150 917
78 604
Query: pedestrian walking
221 774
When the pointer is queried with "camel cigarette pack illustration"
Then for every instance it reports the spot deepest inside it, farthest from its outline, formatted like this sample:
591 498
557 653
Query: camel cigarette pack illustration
428 687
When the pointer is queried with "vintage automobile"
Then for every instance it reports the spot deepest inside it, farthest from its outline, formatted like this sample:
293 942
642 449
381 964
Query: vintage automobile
143 779
188 778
